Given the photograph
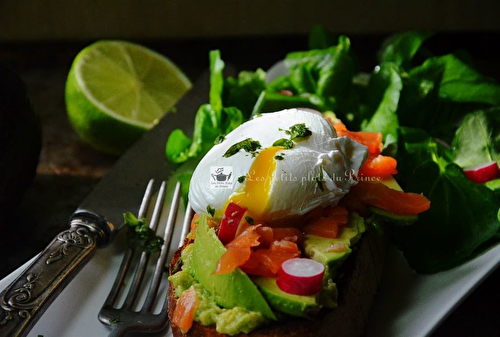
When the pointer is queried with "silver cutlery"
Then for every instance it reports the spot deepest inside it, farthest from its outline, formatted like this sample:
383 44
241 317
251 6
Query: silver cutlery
124 318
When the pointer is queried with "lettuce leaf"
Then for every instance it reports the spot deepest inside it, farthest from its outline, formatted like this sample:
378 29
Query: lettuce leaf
211 120
388 82
463 217
327 73
401 48
242 92
457 81
477 140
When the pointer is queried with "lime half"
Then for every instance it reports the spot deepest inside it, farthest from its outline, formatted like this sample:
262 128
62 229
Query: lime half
117 90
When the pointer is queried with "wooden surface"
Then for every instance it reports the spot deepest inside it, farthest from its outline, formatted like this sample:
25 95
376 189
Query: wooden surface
68 168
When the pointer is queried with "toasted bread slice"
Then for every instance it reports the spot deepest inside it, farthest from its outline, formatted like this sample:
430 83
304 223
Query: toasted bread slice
357 289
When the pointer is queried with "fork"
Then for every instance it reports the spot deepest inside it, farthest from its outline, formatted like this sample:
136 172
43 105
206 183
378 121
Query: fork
125 319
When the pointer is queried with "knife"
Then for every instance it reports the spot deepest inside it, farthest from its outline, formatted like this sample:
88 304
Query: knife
96 221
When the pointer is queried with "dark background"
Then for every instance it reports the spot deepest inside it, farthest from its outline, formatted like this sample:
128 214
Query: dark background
39 39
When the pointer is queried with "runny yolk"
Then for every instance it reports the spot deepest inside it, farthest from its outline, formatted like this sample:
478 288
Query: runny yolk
258 182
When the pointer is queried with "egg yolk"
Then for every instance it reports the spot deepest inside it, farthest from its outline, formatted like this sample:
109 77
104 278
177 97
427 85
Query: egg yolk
258 181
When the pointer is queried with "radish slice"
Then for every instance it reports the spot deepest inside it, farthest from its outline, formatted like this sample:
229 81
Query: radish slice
232 220
285 92
301 276
483 172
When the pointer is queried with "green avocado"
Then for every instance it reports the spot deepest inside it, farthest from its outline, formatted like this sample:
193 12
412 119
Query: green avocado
494 185
317 248
230 290
226 321
391 183
398 219
295 305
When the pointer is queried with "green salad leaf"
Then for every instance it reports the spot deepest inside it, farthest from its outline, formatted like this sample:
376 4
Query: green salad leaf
216 80
415 146
477 140
211 120
326 73
458 81
463 216
386 81
401 48
438 93
242 92
421 102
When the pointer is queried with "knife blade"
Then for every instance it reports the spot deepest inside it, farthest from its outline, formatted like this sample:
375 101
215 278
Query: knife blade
96 220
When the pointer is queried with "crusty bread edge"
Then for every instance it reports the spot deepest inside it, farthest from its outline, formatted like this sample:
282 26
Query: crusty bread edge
357 289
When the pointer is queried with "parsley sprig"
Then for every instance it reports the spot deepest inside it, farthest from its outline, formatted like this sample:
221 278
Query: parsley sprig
296 132
211 210
140 236
249 145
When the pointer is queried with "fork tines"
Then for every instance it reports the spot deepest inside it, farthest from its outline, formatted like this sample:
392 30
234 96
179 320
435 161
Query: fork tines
127 317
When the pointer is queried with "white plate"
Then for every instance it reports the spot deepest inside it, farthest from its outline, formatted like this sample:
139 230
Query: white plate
407 304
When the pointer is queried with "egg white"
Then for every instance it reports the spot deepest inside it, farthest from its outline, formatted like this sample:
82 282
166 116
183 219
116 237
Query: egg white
294 187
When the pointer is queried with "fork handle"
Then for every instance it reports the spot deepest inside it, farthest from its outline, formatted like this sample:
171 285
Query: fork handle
24 301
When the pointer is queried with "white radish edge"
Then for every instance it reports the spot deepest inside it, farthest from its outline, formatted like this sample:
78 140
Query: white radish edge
302 268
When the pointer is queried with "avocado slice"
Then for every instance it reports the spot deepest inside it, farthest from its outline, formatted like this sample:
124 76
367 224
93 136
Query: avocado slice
316 247
295 305
230 290
399 219
494 185
391 183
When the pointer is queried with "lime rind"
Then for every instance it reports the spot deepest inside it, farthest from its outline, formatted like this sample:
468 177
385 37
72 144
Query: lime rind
112 64
104 107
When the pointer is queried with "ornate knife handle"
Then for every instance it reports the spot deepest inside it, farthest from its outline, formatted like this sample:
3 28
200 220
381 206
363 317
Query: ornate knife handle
24 301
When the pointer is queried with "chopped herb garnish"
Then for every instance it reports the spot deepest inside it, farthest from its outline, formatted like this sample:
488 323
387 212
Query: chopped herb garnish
295 131
279 157
249 220
176 267
116 320
249 145
220 138
241 179
319 180
210 210
140 236
286 143
298 131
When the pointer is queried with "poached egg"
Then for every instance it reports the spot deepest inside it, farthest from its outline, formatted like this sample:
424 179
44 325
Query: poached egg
275 182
